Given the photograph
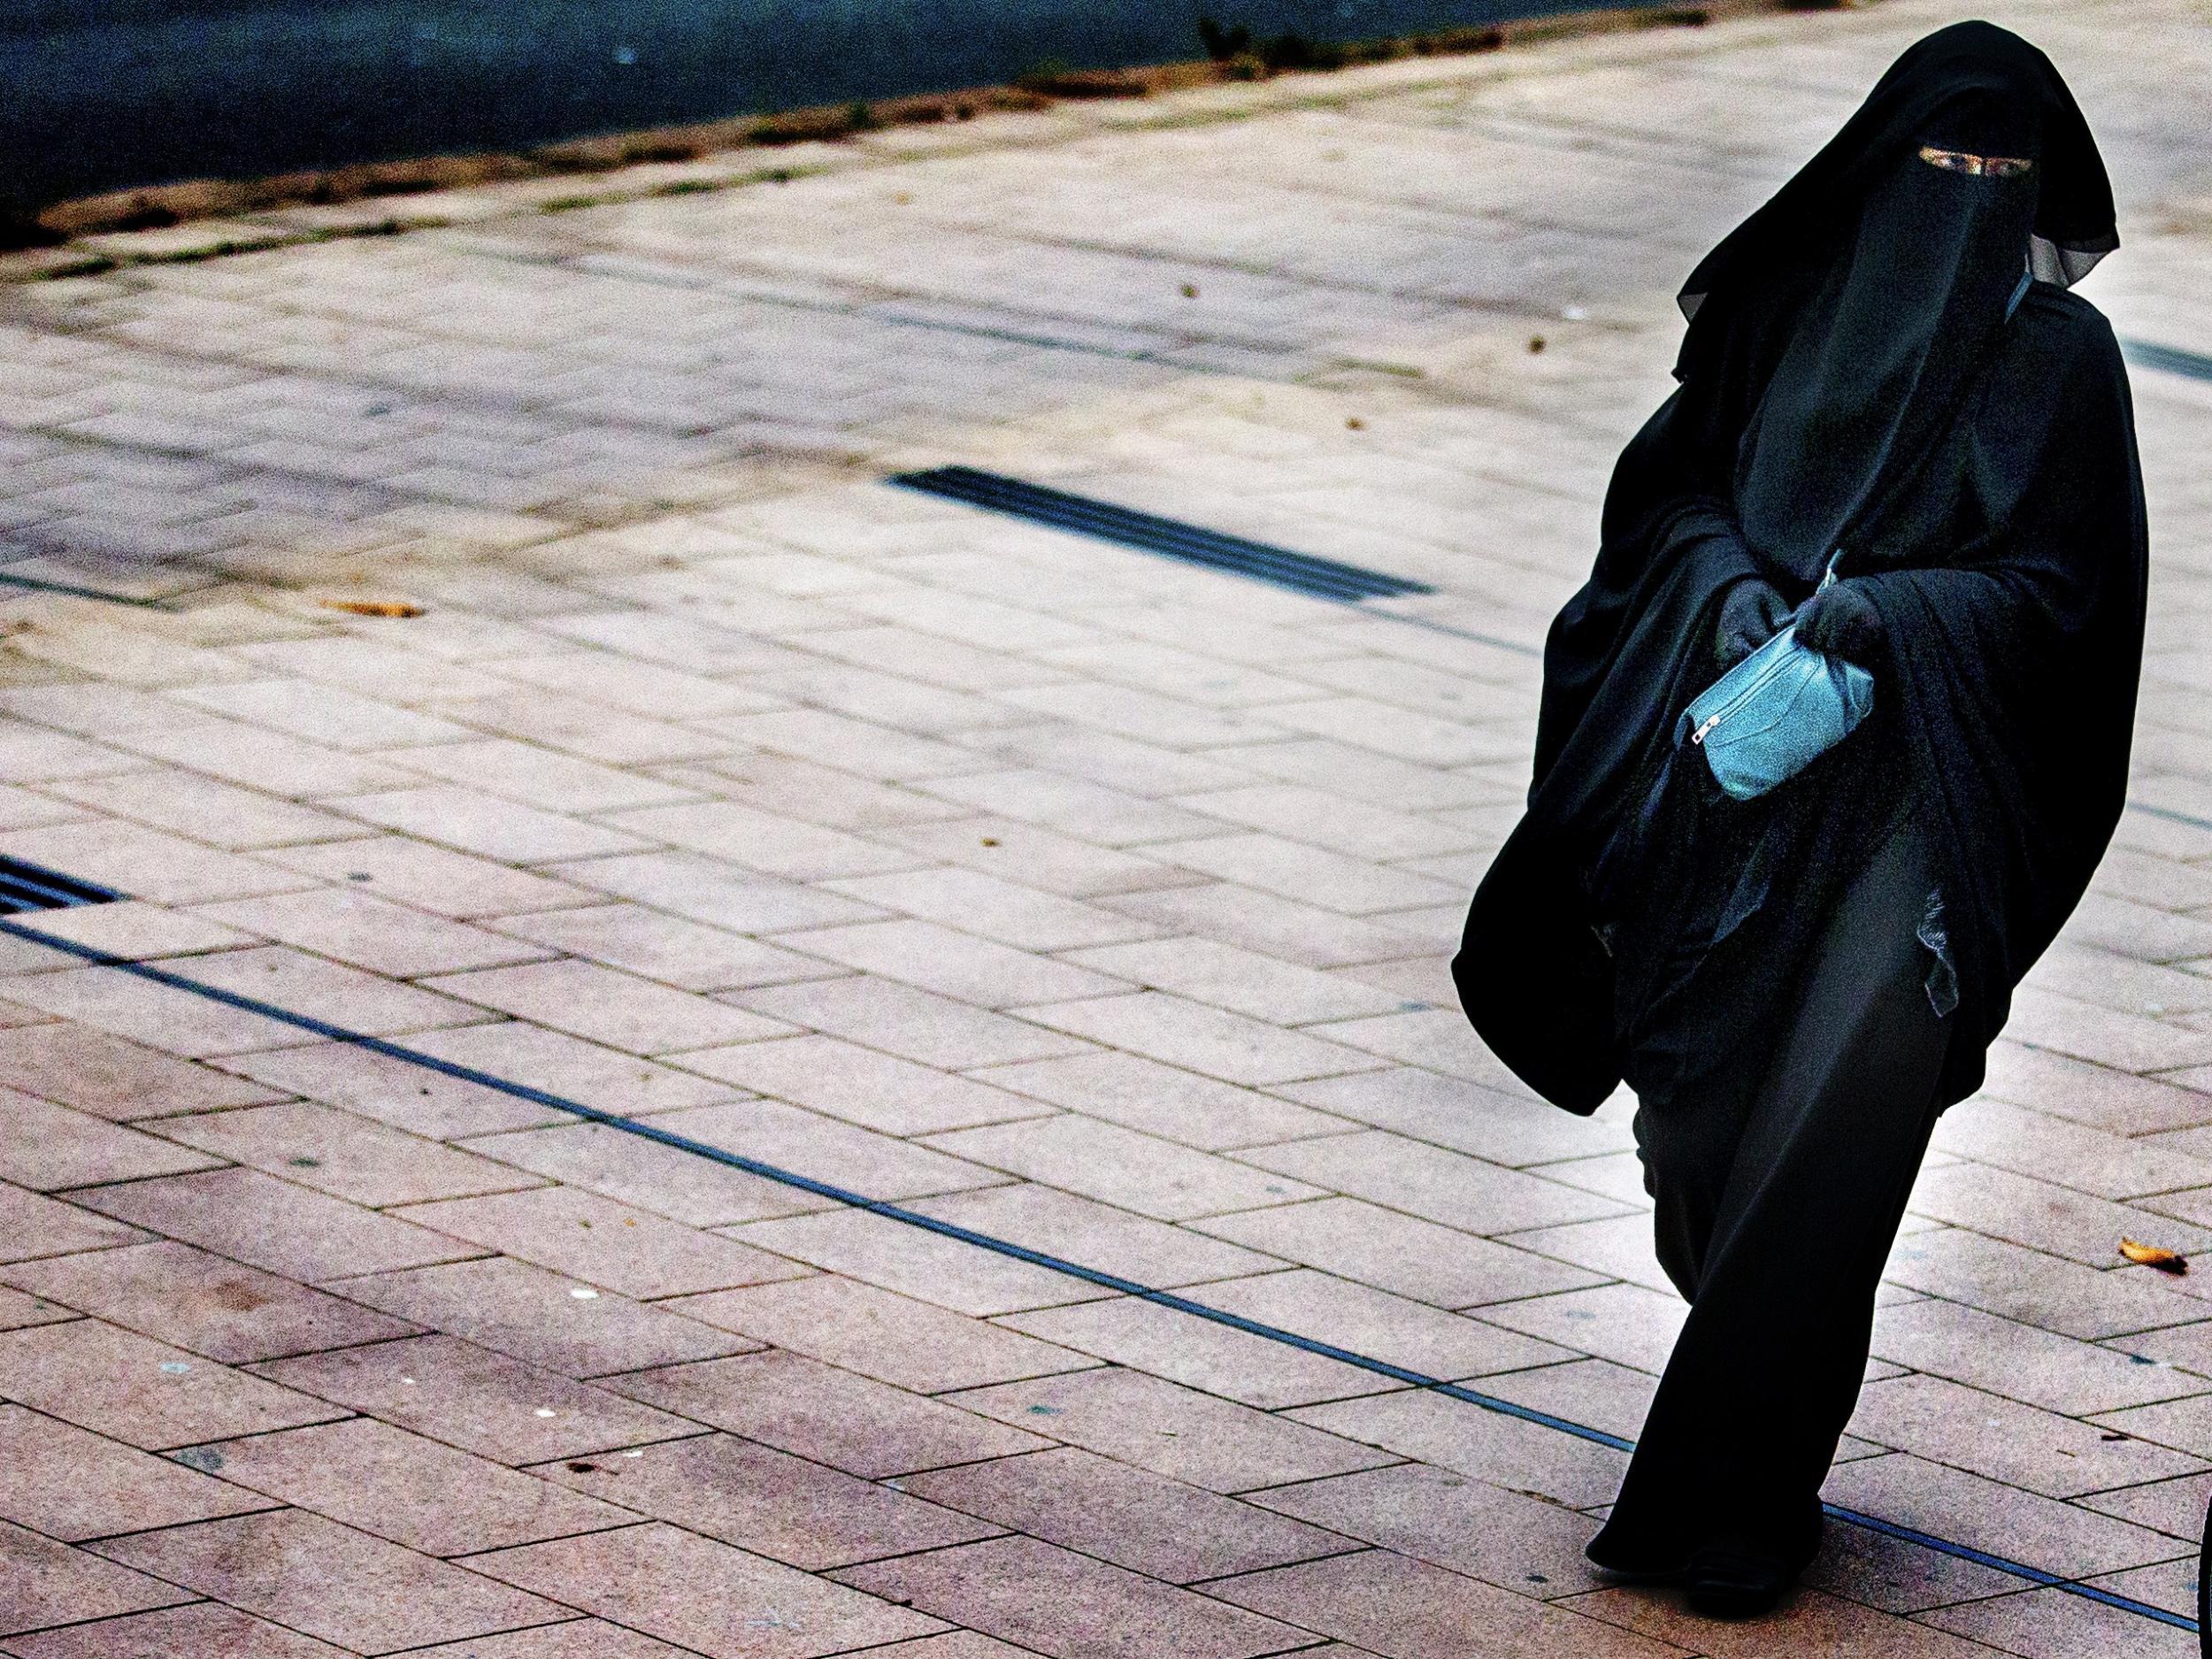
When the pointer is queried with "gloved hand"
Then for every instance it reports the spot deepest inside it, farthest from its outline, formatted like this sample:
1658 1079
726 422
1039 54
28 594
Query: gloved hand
1751 613
1841 620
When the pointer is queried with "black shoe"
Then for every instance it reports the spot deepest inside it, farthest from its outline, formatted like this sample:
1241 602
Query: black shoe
1727 1584
1627 1562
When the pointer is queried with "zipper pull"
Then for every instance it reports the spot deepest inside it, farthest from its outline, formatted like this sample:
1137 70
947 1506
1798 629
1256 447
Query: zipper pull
1698 736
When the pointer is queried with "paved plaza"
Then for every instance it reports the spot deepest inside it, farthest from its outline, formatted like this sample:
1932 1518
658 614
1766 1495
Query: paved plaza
1053 892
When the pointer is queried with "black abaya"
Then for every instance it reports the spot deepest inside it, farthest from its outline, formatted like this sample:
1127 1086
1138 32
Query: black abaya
1795 986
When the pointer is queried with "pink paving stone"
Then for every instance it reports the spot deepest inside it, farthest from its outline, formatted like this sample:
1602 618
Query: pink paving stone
704 1595
47 1148
1069 1606
2050 1624
542 1317
19 1311
1490 1446
72 1485
202 1631
688 955
397 1092
1451 1521
1094 1235
892 1338
481 1402
826 1150
1820 1626
1174 1431
143 1392
76 1066
604 1005
848 1422
633 1171
768 1502
882 1251
356 927
45 1583
403 1487
598 1242
862 1085
160 1016
345 1155
568 1067
331 1582
32 1226
255 1218
579 1639
179 1294
1131 1517
1407 1609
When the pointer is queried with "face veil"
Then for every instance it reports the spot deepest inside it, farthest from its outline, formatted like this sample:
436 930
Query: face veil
1858 307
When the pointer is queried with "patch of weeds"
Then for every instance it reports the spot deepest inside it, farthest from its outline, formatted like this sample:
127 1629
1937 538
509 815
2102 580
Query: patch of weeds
662 150
399 184
1684 18
91 265
860 118
774 132
688 187
397 227
571 204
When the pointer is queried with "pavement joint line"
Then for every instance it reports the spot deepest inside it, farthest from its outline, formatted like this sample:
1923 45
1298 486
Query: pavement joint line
320 1027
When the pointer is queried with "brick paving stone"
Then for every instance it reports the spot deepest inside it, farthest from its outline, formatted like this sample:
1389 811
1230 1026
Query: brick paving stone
1968 1508
1120 1167
875 1090
1820 1627
1401 1253
916 1024
604 1006
952 964
401 1093
1235 1364
688 955
1209 1041
704 1595
44 1582
2058 1456
1092 1235
769 1503
19 1312
1241 981
578 1639
76 1066
49 1147
2047 1624
342 1154
599 1242
360 928
1267 923
31 1226
1454 1434
1451 1521
1133 1518
203 1629
1625 1324
182 1295
158 1015
143 1392
1007 911
1449 1111
703 889
72 1485
632 1171
1179 1433
894 1339
1069 1606
270 1223
2037 1367
567 1068
434 878
2032 1288
1407 1609
824 1148
302 984
540 1316
834 1416
483 824
2174 1507
1432 1183
330 1581
402 1488
1161 1100
466 1396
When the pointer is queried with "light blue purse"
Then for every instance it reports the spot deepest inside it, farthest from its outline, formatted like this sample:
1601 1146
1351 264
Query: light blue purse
1774 713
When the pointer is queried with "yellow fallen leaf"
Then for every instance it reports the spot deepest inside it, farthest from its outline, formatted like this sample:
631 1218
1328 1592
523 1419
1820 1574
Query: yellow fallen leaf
375 607
2151 1256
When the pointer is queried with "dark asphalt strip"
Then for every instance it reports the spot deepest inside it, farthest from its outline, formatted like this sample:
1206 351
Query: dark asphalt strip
648 1130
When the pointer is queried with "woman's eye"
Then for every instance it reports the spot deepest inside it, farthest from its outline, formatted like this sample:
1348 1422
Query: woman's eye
1979 167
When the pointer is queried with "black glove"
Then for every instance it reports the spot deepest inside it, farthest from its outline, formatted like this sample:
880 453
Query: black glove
1751 614
1841 620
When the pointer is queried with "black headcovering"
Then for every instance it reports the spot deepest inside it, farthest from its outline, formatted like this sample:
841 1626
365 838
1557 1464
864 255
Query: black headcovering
1865 298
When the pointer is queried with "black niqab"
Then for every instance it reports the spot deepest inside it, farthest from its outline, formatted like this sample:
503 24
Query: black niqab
1861 372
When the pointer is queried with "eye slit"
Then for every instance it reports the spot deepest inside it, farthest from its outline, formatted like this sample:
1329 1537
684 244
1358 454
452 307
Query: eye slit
1977 166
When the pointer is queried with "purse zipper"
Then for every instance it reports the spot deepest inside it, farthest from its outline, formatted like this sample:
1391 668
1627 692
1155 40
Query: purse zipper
1736 702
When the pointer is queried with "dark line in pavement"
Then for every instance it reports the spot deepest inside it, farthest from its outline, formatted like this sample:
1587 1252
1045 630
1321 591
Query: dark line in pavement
648 1130
2192 365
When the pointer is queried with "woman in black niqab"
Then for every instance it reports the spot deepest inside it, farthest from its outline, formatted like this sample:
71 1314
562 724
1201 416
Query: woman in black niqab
1884 375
